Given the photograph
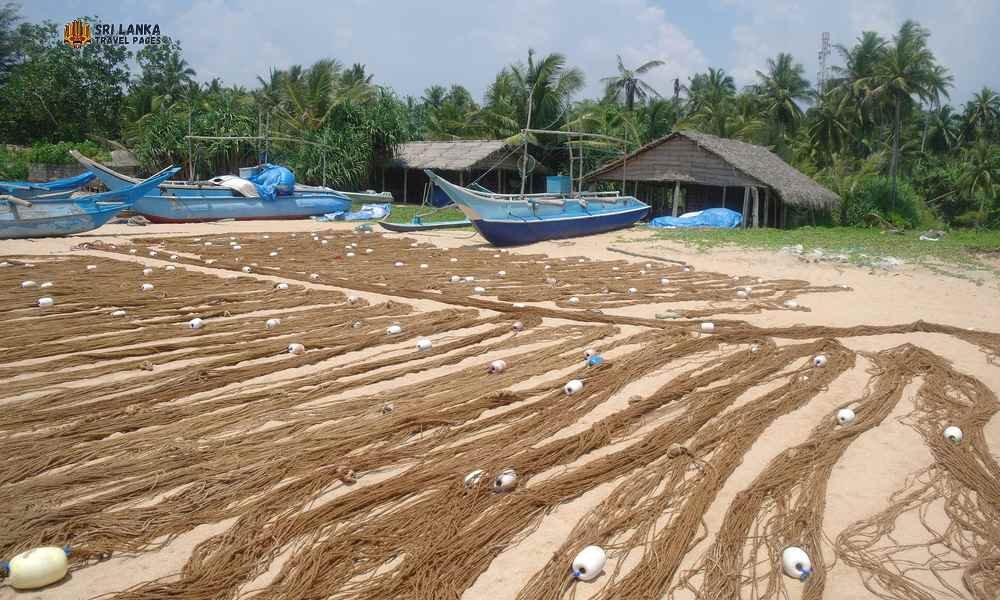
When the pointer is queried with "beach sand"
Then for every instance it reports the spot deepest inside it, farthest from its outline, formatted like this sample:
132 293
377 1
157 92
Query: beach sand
874 466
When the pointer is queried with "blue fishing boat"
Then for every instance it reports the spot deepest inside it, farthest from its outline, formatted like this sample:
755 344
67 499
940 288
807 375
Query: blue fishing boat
518 219
223 197
57 188
56 217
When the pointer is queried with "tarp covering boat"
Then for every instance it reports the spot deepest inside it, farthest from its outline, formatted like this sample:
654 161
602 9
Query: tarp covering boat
273 180
715 218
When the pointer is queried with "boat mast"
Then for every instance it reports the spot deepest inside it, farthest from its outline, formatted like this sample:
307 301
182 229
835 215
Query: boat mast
524 134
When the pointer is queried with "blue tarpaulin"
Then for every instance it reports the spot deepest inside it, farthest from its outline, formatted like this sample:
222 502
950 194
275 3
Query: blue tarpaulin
272 180
368 212
719 218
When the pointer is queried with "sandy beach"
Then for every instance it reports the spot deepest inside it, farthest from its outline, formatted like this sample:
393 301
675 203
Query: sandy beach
139 442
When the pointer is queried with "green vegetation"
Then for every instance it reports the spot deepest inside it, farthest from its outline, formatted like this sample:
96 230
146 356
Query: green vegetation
861 246
404 213
879 132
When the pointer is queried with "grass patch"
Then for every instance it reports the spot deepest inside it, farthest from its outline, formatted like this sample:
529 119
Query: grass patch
404 213
965 248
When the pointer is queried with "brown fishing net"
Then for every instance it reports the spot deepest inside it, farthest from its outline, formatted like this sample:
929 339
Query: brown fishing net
342 471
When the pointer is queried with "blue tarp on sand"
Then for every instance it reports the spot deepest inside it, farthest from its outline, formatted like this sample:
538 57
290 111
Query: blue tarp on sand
719 218
368 212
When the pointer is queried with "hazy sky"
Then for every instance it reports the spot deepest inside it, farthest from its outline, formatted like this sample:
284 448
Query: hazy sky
410 45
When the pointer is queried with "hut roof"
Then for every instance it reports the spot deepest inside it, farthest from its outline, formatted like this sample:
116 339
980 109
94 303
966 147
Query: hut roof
456 155
754 161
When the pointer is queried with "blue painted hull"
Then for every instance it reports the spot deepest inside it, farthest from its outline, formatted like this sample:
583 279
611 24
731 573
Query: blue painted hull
57 188
59 225
190 209
514 220
191 202
56 218
519 233
414 227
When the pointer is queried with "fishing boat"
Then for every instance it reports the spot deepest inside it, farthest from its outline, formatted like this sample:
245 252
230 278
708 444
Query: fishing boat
57 188
221 198
417 225
518 219
57 217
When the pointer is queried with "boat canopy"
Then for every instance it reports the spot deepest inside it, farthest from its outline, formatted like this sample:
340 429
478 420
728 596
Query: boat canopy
273 180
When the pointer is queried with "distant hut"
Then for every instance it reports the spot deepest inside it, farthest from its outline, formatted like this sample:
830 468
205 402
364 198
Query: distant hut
704 171
491 163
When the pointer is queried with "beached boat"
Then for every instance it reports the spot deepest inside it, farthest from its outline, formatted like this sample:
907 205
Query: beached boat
57 188
57 217
516 219
220 198
416 225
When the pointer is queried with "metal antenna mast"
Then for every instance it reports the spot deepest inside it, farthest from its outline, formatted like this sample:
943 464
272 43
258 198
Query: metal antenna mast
824 53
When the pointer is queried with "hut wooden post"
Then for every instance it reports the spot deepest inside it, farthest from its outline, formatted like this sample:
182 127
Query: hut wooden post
767 204
723 196
756 208
383 178
746 204
405 195
677 197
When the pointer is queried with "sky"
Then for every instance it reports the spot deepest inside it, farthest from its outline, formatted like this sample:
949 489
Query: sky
410 45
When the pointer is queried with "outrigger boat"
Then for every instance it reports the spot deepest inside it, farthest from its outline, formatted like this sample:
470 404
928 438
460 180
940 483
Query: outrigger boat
220 198
518 219
433 203
57 217
57 188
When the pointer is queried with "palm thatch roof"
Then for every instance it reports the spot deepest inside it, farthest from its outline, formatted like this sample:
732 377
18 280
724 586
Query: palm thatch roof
748 162
456 155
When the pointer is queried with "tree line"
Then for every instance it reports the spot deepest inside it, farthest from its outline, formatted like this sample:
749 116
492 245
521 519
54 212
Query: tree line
881 132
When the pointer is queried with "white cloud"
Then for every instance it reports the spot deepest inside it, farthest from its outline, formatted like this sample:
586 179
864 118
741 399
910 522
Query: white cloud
411 46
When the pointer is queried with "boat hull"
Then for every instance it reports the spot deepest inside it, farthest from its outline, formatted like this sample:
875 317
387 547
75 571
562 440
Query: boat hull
515 220
69 223
414 227
519 233
193 209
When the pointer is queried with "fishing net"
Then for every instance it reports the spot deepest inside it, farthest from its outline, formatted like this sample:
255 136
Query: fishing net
347 470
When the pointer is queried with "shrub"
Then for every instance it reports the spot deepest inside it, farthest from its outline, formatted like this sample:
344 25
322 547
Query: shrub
13 164
873 194
58 154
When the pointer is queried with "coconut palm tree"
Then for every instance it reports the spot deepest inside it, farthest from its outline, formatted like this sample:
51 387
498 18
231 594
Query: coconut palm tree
782 88
982 112
943 129
980 176
710 99
627 84
907 70
547 84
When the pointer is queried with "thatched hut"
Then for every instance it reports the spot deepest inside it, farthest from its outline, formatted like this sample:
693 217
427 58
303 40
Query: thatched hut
494 163
702 171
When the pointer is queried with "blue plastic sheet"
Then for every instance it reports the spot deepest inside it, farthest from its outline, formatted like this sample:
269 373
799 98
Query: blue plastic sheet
272 181
719 218
368 212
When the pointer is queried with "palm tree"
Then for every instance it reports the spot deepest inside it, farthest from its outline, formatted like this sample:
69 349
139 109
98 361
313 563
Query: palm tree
907 69
849 85
942 130
982 112
782 88
434 96
980 174
547 85
710 98
829 127
628 85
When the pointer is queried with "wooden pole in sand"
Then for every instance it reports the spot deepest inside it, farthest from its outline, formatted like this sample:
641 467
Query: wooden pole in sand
677 197
746 204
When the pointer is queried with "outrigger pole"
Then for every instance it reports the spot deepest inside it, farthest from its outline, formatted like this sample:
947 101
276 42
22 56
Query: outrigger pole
579 134
266 139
